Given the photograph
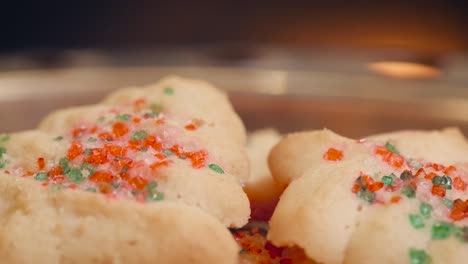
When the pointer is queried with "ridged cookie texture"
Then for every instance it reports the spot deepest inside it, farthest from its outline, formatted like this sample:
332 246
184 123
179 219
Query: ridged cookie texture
45 225
394 198
156 161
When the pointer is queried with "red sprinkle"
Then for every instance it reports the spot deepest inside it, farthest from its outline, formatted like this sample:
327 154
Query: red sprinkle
376 186
41 163
190 127
119 129
98 156
102 176
438 190
333 154
460 210
395 199
138 182
356 188
459 184
75 150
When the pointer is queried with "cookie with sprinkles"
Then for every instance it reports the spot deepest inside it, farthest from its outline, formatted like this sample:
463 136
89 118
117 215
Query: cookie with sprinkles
385 199
177 143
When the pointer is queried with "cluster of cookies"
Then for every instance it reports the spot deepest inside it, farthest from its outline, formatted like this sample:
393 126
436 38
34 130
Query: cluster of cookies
162 174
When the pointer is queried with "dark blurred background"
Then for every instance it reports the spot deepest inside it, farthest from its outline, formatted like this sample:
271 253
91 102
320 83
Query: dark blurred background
360 67
424 26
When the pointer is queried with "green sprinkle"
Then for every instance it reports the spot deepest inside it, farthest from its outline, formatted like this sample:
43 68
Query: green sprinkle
101 119
156 108
115 185
387 180
125 169
391 148
366 195
124 117
87 152
419 256
63 162
134 192
361 181
143 149
5 138
242 251
59 138
92 139
425 209
151 185
41 176
2 151
3 163
91 190
167 152
441 231
437 180
416 221
447 182
168 91
139 135
57 187
408 191
155 197
216 168
406 176
447 202
75 175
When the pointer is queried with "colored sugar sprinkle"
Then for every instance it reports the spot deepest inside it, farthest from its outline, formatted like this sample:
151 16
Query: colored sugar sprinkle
447 202
139 135
408 191
2 151
366 195
118 158
168 91
425 209
124 117
419 256
391 148
5 138
416 221
216 168
156 108
387 180
333 154
155 197
41 176
152 185
3 164
441 231
406 176
167 152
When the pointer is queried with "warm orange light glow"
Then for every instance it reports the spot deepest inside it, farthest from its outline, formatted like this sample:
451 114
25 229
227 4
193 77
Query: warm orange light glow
404 70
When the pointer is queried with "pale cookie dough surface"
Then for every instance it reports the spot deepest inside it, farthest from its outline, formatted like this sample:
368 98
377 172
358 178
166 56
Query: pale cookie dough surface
261 188
369 201
44 225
